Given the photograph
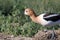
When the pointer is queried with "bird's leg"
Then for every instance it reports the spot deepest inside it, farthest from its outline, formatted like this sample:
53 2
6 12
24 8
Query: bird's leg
53 34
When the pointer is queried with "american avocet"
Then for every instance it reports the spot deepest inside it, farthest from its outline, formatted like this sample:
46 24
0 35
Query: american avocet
45 19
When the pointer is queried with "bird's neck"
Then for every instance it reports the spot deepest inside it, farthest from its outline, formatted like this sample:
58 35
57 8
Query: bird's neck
34 18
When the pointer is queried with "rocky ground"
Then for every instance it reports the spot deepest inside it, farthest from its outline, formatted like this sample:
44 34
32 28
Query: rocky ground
39 36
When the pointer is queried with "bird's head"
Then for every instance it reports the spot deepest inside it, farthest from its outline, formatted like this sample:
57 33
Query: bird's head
29 12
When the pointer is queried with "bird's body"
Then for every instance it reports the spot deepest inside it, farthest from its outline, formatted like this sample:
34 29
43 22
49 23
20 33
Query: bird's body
49 20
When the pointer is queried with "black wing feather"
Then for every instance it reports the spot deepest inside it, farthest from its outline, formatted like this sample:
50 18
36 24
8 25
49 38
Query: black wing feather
53 18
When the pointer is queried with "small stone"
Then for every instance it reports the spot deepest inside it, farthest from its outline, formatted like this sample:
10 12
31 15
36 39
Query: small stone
12 36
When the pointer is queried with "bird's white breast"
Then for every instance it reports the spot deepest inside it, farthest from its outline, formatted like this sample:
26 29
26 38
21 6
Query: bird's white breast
42 21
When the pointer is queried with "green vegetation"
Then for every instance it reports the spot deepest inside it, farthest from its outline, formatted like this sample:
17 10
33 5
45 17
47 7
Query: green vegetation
13 20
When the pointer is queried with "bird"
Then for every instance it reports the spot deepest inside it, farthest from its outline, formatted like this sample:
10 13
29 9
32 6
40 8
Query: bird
45 19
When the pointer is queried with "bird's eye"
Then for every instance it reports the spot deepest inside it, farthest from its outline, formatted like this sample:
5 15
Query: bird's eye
26 11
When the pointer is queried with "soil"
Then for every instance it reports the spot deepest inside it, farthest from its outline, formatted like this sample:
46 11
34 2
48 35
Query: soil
41 35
